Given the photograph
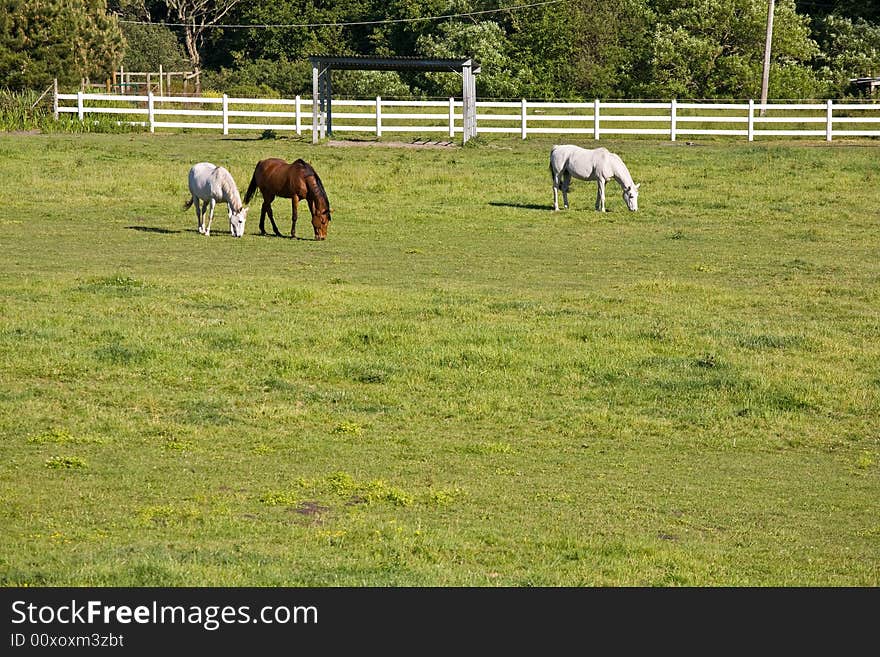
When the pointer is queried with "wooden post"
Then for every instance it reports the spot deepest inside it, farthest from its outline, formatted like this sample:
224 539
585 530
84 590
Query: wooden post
378 116
161 90
150 114
80 111
523 115
673 117
298 111
465 104
468 104
55 98
328 103
225 114
315 108
765 77
451 116
596 119
751 129
829 121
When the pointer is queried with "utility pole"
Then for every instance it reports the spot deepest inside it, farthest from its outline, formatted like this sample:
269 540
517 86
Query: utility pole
765 80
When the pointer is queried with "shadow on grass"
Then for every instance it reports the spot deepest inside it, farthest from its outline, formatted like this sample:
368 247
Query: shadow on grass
521 206
152 229
168 231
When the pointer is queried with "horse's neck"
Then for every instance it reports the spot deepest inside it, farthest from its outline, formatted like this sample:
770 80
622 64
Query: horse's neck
621 173
315 191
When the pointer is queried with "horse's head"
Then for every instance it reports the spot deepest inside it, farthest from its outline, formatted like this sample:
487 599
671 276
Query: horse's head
236 221
320 221
631 197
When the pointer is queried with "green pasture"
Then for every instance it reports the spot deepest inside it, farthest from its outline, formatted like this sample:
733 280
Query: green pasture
458 387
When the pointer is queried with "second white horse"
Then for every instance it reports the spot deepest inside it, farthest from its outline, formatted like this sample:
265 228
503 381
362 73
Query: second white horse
599 164
209 185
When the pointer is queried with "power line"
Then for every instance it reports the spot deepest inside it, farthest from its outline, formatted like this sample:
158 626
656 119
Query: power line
356 23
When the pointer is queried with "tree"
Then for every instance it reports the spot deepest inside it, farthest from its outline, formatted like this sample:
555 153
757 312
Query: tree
65 39
198 16
595 48
849 49
484 41
715 48
868 10
149 46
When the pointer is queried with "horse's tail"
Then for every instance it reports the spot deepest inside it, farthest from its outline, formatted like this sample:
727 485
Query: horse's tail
188 204
252 187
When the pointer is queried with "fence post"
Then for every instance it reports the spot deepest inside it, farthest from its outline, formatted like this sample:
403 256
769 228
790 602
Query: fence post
523 113
829 121
673 117
298 115
55 98
451 116
79 105
225 114
596 119
751 120
150 117
378 116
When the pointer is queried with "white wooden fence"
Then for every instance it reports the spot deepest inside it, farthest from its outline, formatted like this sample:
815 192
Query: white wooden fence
673 119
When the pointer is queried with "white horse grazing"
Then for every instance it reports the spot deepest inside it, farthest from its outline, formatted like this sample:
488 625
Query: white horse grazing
210 184
597 164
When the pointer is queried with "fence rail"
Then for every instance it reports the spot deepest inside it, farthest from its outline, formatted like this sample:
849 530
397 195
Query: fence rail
380 116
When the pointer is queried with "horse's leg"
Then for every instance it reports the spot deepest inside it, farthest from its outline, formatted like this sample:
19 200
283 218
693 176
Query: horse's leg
263 217
198 206
294 202
555 178
600 194
211 204
566 181
266 210
271 214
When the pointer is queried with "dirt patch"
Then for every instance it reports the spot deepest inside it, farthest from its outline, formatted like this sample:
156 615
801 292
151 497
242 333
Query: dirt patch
311 510
416 143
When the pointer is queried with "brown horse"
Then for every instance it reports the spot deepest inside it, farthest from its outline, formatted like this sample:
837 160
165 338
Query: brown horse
296 181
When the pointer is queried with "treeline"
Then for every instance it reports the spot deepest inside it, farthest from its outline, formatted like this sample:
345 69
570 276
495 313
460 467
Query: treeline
557 49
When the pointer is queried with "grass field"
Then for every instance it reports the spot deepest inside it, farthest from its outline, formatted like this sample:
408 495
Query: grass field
458 387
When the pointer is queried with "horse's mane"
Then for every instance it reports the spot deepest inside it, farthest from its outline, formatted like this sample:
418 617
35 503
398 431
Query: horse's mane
622 174
310 172
230 189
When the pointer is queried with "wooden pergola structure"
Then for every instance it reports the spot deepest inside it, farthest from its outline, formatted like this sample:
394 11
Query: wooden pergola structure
322 86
